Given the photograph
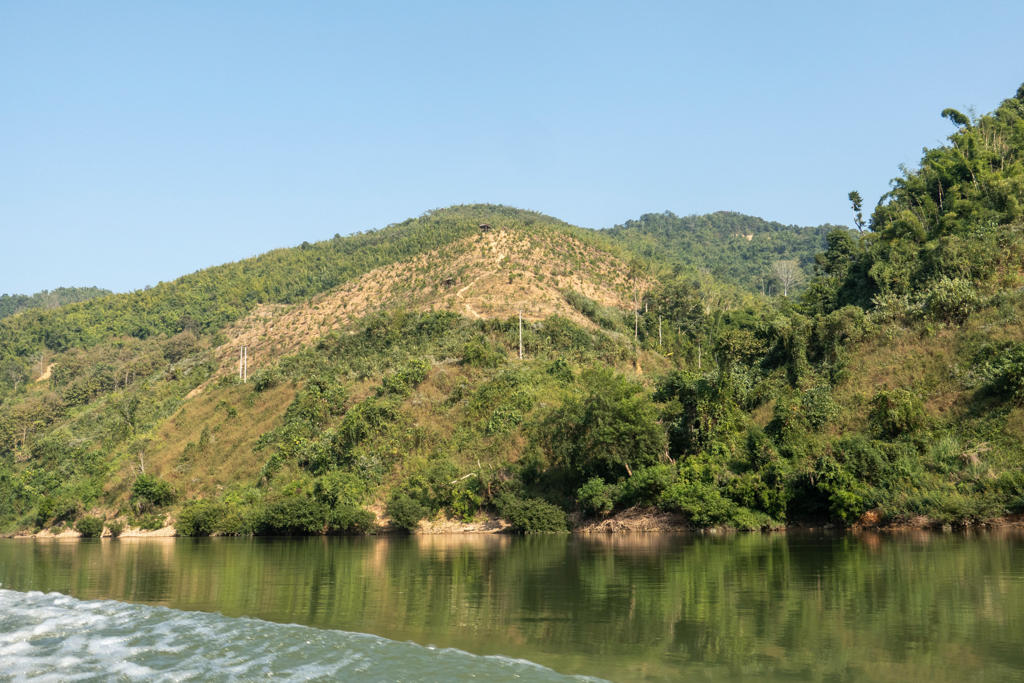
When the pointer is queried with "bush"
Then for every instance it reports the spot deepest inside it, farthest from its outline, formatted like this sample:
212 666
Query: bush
479 353
350 519
293 516
89 526
149 491
532 515
404 379
200 518
57 508
404 511
116 528
1007 373
896 412
596 496
701 502
646 485
266 379
952 300
339 488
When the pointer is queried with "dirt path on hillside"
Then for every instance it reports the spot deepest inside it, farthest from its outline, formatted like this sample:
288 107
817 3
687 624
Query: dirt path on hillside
458 294
46 375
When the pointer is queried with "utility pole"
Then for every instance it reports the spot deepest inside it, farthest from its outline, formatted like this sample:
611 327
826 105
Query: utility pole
520 334
245 366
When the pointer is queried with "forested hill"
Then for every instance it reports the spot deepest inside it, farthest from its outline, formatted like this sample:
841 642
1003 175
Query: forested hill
209 299
550 375
16 303
736 248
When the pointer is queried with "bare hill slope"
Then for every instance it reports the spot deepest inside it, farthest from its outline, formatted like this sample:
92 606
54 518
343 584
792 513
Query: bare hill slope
490 275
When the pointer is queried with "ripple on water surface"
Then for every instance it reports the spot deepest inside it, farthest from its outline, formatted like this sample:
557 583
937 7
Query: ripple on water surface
53 637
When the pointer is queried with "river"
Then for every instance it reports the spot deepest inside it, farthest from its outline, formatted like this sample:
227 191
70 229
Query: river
900 606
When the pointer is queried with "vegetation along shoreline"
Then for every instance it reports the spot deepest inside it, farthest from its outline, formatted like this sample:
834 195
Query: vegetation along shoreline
489 368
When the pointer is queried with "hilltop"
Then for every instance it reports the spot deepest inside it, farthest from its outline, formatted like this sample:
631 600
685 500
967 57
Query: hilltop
496 274
11 304
385 378
735 248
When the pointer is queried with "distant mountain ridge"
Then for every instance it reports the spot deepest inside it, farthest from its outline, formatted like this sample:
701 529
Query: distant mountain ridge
734 247
11 304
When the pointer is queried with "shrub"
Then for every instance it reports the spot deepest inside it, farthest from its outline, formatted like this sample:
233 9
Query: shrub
297 515
350 519
818 406
701 502
532 515
896 412
404 379
57 508
149 491
1007 373
479 353
404 511
952 300
596 496
116 528
846 495
339 488
89 526
200 518
266 379
646 485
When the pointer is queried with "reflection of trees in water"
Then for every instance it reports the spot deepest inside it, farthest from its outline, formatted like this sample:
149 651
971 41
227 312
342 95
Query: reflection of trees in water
907 605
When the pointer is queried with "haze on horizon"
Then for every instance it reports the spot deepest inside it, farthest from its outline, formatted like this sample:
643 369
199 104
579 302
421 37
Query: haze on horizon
142 142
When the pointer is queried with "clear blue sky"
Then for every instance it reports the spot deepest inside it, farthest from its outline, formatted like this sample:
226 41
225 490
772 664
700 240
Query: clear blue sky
143 141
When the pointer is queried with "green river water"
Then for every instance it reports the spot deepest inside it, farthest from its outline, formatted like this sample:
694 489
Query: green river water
796 606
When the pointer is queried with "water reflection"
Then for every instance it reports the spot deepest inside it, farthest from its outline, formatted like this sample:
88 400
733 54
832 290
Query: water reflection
856 606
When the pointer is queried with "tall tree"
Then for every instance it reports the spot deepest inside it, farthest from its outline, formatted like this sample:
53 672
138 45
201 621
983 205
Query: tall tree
858 217
788 273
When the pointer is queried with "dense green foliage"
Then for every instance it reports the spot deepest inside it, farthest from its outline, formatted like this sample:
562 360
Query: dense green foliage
89 526
893 385
734 248
16 303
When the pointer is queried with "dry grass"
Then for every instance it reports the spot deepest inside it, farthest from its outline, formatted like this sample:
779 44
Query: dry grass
227 459
492 277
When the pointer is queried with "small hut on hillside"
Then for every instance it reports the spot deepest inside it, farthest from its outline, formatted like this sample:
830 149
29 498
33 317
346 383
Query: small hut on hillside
485 227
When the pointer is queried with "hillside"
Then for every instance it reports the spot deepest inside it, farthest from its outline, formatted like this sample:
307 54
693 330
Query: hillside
485 276
735 248
385 379
16 303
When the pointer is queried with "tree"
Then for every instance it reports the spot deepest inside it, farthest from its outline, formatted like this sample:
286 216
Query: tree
788 273
13 372
858 218
609 432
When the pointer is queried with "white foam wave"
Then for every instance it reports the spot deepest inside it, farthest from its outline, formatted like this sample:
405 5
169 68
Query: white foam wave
53 637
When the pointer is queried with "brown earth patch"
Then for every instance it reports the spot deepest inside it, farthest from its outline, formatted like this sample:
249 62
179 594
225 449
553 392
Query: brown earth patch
484 276
634 519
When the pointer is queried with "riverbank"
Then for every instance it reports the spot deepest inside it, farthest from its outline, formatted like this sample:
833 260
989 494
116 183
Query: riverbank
634 520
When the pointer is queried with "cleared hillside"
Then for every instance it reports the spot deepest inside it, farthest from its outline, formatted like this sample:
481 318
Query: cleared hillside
487 275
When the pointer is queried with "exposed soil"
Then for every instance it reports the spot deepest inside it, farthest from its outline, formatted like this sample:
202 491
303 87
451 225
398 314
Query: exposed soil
492 276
